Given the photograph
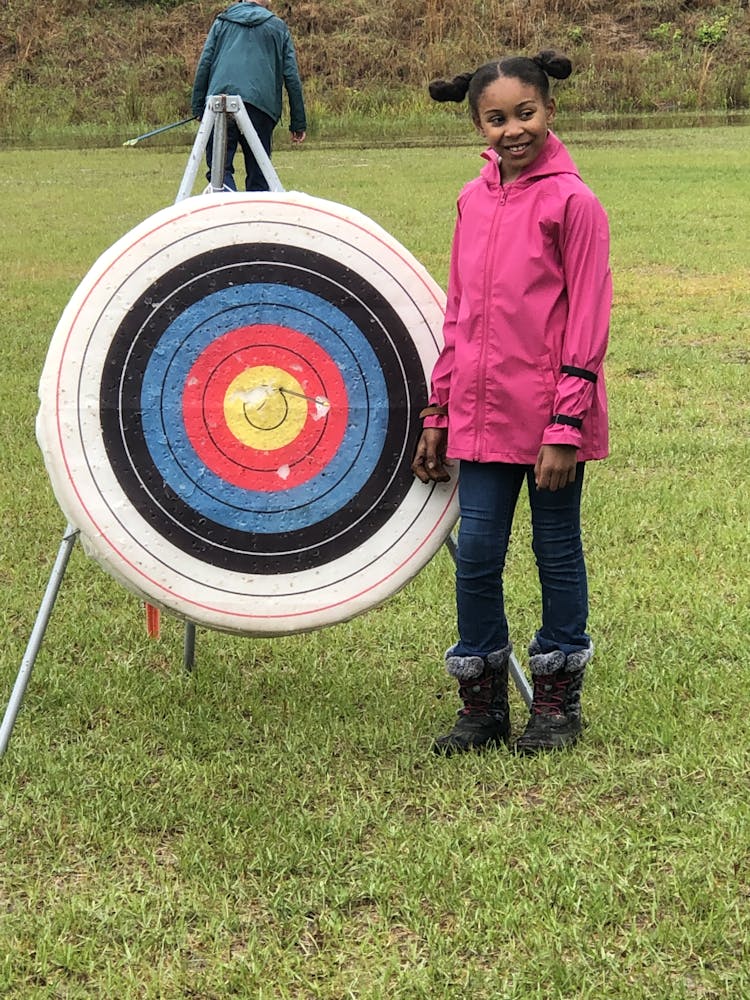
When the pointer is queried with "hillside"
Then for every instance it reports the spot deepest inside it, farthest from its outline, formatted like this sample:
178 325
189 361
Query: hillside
75 63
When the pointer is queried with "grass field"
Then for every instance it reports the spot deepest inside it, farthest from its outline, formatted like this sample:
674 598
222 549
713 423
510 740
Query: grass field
275 825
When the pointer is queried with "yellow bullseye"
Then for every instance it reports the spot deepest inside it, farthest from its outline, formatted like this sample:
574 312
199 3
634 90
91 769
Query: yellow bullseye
265 407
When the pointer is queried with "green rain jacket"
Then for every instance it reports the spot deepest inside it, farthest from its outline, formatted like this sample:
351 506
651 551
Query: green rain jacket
249 52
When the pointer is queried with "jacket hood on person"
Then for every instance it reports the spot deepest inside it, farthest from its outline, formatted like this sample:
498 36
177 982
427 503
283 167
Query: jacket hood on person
249 14
527 315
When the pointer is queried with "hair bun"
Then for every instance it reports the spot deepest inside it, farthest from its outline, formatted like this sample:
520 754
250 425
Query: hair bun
450 90
554 64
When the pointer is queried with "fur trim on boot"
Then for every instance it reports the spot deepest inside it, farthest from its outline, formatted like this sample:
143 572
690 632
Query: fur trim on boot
484 719
555 720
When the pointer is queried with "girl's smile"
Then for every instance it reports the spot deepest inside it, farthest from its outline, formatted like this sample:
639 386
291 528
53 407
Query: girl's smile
514 119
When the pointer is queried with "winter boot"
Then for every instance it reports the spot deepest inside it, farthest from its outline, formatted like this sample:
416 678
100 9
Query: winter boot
555 721
484 719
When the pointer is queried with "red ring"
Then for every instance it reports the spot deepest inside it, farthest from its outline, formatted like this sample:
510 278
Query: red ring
203 407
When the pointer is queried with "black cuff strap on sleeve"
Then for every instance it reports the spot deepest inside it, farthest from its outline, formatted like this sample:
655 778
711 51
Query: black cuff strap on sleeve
579 372
433 411
560 418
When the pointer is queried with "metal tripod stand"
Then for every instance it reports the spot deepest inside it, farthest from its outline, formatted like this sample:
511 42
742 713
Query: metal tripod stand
214 120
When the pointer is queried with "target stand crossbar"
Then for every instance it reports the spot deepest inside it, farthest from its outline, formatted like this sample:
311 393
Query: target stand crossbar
218 108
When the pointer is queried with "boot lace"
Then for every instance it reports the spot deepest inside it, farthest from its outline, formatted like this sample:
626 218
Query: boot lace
549 693
476 695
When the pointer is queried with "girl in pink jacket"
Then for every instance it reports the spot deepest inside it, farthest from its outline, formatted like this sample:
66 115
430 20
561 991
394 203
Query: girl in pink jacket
518 394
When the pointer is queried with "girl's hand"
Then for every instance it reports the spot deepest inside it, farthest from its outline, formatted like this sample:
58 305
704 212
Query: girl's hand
429 463
555 466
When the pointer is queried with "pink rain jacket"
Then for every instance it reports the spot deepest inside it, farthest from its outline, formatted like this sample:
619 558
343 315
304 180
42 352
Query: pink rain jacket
527 317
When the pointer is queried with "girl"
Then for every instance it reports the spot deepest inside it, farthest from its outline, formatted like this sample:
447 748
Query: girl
518 393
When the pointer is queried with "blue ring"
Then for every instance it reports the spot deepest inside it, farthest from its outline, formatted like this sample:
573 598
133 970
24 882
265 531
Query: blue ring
166 375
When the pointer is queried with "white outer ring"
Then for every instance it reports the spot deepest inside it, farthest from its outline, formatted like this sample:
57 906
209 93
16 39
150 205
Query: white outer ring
69 425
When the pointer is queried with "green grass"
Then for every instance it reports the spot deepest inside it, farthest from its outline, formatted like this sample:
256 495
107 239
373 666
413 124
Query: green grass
274 826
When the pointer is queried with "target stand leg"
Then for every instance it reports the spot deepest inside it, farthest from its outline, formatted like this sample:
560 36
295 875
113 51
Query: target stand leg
188 649
37 635
247 128
516 670
214 119
195 160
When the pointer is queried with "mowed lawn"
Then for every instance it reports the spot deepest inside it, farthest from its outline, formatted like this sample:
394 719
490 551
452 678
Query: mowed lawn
275 825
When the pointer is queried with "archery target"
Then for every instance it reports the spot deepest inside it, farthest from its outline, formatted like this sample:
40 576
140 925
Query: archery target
229 408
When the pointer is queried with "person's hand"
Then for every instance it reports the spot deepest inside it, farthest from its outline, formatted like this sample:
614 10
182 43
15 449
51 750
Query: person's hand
555 466
298 137
429 463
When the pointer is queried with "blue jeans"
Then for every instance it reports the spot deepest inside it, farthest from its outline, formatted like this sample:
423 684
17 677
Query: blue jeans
488 493
255 179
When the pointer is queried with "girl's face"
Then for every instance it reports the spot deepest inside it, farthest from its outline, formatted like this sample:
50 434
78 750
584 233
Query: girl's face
514 119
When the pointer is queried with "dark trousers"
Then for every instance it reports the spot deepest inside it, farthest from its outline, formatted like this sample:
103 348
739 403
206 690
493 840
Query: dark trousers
488 493
254 177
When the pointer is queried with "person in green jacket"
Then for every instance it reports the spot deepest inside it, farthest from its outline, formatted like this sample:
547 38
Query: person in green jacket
249 52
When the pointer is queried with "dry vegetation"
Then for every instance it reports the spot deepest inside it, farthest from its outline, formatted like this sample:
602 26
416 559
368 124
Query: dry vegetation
102 61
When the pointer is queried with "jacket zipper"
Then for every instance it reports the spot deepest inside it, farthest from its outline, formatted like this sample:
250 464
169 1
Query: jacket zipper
487 284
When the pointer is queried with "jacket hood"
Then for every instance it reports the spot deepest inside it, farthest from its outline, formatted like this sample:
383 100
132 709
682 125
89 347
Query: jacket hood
246 13
553 159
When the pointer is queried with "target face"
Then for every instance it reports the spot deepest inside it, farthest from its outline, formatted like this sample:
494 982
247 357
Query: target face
229 409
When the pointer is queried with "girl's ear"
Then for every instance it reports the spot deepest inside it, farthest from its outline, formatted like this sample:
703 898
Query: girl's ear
551 110
478 126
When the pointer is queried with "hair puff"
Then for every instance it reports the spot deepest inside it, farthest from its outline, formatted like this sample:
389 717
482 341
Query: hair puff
554 64
450 90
